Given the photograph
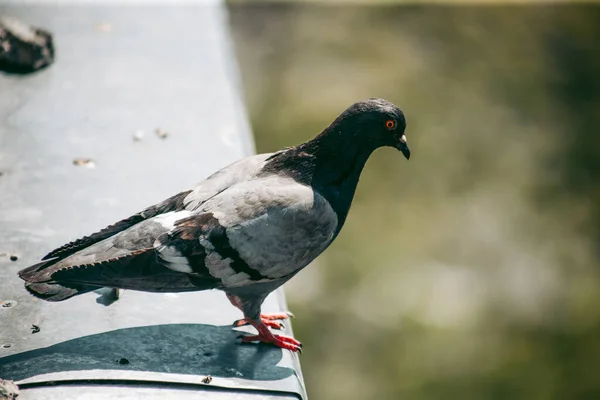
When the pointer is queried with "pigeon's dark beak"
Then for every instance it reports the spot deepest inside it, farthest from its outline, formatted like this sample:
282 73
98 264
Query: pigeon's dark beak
403 147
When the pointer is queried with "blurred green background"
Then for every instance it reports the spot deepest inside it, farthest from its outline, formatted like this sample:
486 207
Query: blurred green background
470 272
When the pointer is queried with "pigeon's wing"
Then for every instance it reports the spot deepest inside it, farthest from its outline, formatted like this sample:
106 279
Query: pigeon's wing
173 252
174 203
188 200
240 171
126 260
259 231
141 270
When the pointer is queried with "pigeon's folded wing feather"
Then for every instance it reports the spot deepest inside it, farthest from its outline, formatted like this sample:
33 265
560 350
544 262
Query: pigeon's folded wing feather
187 200
174 203
199 245
260 230
141 270
127 260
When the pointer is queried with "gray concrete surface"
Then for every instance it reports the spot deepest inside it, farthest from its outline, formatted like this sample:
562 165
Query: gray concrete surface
120 69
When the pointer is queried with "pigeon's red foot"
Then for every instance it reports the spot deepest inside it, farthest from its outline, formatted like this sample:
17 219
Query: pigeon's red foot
265 336
269 323
285 342
269 320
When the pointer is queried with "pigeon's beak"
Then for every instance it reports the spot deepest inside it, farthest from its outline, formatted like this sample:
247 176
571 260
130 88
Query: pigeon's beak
403 147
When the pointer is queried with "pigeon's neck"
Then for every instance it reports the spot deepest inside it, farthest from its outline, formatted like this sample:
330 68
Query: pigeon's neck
337 171
330 165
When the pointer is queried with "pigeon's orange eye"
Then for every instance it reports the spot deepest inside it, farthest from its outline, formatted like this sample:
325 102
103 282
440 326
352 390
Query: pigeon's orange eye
390 124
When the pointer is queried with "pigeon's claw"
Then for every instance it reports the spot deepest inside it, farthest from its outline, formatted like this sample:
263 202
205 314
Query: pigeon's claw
269 320
269 323
284 342
265 336
271 316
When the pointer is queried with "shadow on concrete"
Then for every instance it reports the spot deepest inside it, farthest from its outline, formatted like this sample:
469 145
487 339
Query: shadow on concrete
194 349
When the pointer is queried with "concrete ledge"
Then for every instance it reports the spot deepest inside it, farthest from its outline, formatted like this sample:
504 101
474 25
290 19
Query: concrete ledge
120 69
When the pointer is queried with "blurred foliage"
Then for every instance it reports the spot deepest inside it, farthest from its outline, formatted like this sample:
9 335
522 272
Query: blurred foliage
472 270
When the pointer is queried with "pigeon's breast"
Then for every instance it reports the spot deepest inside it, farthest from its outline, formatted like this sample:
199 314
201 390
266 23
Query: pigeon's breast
283 240
278 228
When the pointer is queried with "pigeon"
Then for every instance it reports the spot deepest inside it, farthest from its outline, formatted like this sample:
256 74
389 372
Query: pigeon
245 230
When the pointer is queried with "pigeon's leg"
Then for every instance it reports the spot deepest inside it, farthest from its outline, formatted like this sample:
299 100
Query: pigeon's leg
283 315
109 296
265 336
268 319
251 309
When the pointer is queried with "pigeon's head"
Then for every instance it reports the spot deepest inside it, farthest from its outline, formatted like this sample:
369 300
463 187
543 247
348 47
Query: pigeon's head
376 123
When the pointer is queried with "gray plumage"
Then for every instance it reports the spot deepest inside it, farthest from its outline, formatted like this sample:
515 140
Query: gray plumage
245 230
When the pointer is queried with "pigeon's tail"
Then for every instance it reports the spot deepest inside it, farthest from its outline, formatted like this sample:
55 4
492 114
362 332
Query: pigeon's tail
29 274
52 291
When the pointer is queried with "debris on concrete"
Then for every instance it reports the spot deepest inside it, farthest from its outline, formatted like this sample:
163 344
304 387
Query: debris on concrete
8 390
24 49
11 257
104 27
84 162
138 135
161 133
8 304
